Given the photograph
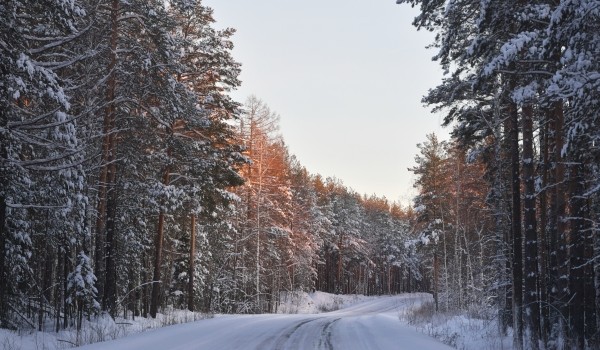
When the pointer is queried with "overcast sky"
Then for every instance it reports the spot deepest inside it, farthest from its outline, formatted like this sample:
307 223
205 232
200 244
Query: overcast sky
346 77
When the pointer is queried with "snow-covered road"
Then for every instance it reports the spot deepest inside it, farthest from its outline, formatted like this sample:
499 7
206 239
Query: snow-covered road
372 324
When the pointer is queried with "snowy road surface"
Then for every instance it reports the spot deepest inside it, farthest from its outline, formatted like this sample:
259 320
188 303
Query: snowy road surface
373 324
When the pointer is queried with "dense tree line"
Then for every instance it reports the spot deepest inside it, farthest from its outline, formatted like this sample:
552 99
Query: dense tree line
114 130
521 93
290 231
131 181
452 226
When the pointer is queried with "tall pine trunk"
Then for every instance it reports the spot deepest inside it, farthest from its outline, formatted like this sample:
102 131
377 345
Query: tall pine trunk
543 244
108 154
65 280
158 250
3 268
3 223
435 280
596 251
530 295
501 224
517 245
589 278
558 264
577 314
191 264
110 278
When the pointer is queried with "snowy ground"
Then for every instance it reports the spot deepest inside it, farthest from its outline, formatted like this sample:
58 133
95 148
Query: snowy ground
476 329
370 324
357 322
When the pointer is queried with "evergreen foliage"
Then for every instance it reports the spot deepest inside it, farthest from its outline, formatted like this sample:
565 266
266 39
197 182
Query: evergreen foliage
521 93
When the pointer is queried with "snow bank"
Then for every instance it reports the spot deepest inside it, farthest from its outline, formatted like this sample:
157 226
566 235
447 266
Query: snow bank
99 329
457 330
316 302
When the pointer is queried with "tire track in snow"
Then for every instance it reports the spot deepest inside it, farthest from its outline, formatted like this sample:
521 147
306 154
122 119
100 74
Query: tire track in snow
281 340
326 334
290 337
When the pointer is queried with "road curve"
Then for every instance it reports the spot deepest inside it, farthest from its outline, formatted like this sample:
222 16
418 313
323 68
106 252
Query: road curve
370 325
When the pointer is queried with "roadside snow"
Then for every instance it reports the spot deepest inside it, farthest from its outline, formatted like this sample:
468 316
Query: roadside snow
316 302
100 329
457 330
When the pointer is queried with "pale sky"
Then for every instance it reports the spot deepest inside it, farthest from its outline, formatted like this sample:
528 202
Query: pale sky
346 77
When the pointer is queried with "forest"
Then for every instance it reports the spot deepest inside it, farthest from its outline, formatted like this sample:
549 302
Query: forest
131 181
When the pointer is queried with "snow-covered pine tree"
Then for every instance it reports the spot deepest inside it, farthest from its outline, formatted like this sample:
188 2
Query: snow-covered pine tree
527 61
306 231
574 28
433 213
265 201
41 156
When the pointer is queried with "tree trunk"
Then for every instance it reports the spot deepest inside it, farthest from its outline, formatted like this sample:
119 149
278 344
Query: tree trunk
339 272
47 278
236 288
57 293
501 226
108 152
191 267
558 263
158 248
3 226
530 295
588 278
596 265
543 245
435 281
3 267
65 272
110 288
517 245
446 272
577 315
145 309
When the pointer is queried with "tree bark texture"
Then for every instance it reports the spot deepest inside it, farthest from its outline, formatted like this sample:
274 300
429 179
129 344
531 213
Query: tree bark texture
558 262
530 296
577 240
108 154
517 245
191 269
158 248
110 279
543 242
3 267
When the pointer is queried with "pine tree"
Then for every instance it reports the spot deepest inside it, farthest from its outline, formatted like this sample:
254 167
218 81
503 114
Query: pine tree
41 156
510 70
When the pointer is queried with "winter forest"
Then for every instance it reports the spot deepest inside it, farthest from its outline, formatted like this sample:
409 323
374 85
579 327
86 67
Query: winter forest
131 181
